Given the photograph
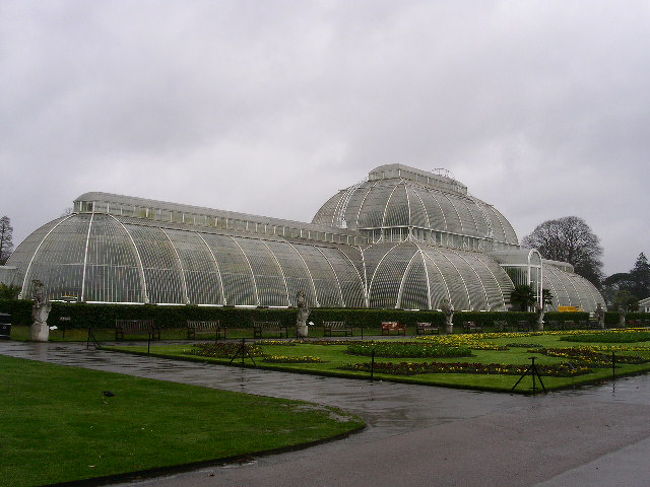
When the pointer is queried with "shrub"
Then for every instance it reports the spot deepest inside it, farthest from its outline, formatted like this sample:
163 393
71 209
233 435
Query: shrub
20 310
610 337
281 359
587 356
408 350
411 368
225 349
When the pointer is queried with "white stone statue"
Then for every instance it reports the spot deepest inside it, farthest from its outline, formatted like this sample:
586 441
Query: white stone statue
599 314
303 313
448 310
541 311
39 331
622 311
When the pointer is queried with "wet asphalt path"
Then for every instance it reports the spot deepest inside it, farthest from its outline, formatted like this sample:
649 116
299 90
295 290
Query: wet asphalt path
417 435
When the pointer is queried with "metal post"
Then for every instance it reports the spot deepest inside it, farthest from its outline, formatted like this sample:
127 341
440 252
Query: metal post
534 373
243 350
372 365
149 343
613 366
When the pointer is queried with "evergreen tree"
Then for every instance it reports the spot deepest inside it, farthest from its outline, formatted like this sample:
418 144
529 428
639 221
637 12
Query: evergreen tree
640 277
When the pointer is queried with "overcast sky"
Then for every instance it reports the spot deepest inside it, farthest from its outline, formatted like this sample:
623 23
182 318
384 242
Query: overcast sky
269 107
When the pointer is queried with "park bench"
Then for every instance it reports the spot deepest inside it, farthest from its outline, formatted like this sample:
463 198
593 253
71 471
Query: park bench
551 325
5 326
640 322
569 325
471 327
593 324
500 325
261 327
426 328
136 327
340 327
388 326
197 327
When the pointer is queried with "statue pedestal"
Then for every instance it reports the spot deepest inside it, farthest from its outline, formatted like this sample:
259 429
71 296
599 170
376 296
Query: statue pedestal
302 331
39 332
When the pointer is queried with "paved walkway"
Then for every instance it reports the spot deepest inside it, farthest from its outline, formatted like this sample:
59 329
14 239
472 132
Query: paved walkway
418 435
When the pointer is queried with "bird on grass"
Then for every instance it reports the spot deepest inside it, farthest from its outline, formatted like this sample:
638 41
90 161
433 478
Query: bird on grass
107 394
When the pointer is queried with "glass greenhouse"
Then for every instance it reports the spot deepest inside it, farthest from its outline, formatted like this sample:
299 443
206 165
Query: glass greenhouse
404 238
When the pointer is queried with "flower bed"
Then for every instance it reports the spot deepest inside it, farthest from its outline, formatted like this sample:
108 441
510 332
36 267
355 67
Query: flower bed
411 368
282 359
407 349
224 350
472 341
627 336
525 345
309 341
588 356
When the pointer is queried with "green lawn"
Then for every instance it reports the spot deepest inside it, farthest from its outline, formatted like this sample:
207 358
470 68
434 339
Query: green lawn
57 425
334 357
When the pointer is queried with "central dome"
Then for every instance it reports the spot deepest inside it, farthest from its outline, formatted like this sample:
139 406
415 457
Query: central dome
401 196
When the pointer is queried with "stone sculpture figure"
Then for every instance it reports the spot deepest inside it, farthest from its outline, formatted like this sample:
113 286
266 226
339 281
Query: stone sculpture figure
599 314
541 311
39 331
622 311
303 313
448 310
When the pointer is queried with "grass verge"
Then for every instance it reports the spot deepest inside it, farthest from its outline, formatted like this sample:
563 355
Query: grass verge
58 426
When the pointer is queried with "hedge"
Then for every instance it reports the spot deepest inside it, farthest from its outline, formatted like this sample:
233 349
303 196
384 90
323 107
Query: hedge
611 317
83 315
20 310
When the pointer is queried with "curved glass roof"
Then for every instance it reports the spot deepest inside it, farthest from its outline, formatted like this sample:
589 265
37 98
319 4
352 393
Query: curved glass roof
405 238
101 257
404 198
416 276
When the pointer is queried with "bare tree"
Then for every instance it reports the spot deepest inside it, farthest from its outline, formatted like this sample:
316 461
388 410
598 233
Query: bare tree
6 244
569 239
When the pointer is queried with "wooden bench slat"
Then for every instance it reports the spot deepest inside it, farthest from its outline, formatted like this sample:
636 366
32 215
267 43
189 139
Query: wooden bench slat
388 326
422 328
214 326
136 327
470 326
330 327
259 327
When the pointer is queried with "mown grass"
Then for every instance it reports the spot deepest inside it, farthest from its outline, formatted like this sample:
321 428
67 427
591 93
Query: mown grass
334 357
58 426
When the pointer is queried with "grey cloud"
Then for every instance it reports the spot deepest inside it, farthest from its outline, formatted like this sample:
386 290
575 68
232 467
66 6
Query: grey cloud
541 108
